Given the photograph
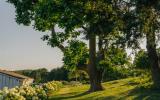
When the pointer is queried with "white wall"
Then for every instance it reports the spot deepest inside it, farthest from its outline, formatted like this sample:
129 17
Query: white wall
8 81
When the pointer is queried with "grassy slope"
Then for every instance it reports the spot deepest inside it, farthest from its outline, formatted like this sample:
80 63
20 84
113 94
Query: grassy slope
125 89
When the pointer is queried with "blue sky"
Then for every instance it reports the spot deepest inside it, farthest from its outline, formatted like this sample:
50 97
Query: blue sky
21 46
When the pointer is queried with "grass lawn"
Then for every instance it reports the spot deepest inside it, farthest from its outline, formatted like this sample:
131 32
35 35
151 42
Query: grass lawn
124 89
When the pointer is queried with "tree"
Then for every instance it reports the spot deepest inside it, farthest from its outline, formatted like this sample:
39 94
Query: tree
141 60
39 75
76 59
76 56
117 57
58 74
92 18
142 20
115 61
78 75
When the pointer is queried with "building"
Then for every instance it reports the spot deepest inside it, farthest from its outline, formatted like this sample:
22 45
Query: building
11 79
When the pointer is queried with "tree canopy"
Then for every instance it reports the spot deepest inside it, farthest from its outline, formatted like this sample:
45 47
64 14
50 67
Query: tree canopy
92 18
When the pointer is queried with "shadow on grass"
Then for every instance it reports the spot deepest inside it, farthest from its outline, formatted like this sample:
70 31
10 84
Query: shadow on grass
143 94
69 95
135 94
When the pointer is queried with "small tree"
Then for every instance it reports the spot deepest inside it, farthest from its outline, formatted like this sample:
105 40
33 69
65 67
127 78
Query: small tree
76 56
141 60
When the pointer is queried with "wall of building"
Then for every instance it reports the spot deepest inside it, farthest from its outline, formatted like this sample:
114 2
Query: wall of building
8 81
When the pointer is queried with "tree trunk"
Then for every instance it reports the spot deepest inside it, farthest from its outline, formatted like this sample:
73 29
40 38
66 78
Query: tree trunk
100 56
153 58
94 74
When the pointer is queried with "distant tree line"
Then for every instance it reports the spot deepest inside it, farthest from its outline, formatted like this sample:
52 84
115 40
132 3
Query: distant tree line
43 75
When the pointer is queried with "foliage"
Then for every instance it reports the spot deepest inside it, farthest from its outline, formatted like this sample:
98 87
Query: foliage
58 74
115 57
131 20
92 18
30 92
69 15
75 55
140 21
116 64
78 75
52 86
39 75
43 75
141 60
116 73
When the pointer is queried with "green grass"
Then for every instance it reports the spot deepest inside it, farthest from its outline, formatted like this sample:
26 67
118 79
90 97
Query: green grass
125 89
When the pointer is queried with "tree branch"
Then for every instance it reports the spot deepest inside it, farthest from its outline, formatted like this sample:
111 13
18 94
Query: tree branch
60 46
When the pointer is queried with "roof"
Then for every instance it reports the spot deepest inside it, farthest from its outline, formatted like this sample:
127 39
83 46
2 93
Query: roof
13 74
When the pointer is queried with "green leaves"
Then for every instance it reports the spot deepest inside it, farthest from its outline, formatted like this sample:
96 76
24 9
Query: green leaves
115 57
76 54
47 14
24 11
100 17
141 60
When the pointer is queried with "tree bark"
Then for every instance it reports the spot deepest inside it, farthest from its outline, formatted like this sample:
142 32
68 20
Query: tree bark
100 56
94 74
153 58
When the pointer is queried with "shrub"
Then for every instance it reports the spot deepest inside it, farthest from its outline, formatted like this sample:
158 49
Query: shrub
75 83
141 60
116 72
38 92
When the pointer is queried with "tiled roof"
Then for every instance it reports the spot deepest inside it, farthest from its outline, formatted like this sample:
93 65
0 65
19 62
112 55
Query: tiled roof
13 74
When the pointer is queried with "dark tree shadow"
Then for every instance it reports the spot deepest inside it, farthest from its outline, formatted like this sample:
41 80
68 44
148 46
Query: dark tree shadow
72 95
137 93
143 94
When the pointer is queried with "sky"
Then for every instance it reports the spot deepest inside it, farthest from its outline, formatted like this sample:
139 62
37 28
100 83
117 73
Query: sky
21 46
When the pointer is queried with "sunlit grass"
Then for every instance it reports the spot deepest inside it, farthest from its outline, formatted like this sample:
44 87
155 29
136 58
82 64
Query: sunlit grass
125 89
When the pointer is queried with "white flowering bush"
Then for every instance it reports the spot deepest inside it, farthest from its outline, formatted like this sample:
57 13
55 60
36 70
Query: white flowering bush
11 94
38 92
41 93
52 86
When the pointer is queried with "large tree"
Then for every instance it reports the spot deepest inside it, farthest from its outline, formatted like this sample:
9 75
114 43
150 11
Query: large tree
92 18
142 20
